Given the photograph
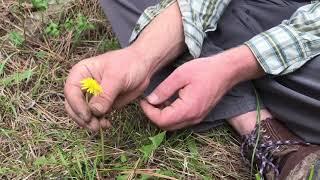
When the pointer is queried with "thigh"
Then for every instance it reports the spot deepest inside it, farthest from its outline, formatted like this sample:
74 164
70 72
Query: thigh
295 99
123 15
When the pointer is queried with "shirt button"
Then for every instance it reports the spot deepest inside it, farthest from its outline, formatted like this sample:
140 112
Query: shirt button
137 28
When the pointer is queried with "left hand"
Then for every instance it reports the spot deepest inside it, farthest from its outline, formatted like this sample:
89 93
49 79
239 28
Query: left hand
200 84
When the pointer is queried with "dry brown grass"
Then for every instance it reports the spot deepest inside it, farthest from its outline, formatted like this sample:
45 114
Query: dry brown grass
39 141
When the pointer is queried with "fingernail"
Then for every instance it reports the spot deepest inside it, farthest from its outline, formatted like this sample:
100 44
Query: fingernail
152 98
98 107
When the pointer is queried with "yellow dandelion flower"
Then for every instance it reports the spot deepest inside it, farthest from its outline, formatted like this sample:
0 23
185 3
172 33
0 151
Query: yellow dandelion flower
91 86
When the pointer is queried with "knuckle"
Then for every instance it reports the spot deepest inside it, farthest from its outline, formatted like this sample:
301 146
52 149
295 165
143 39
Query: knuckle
195 109
179 69
161 123
165 119
104 124
105 98
179 75
94 126
80 67
163 91
80 115
76 67
191 112
79 123
195 114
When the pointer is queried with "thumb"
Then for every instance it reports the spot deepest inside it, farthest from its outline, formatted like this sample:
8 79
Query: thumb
167 88
102 103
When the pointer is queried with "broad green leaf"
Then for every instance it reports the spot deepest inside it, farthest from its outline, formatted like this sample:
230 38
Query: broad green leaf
40 161
16 78
122 177
4 170
123 158
16 38
109 44
83 24
69 24
157 140
258 177
166 173
41 54
145 177
53 159
147 150
192 147
311 175
52 29
206 178
40 4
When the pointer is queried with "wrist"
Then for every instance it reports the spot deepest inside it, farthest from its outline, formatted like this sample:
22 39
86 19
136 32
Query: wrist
246 65
162 40
148 61
241 65
154 57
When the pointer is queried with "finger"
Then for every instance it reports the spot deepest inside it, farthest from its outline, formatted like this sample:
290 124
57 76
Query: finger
104 123
167 88
163 105
128 97
123 100
182 125
176 113
94 125
74 95
77 119
101 104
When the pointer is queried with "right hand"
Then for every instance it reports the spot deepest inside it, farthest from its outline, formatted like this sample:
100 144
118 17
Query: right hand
123 77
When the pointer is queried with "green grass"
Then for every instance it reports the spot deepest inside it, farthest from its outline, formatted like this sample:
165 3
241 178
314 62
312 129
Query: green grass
39 141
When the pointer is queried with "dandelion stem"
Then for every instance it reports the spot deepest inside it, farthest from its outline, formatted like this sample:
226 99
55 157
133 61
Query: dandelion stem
102 144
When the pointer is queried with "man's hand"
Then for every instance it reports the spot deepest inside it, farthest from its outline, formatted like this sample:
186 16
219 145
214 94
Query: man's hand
124 74
200 84
123 77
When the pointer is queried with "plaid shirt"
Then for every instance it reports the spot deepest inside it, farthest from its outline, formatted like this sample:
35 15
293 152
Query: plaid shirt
279 50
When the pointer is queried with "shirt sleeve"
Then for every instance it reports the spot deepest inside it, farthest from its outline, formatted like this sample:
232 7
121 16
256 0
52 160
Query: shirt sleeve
288 46
198 17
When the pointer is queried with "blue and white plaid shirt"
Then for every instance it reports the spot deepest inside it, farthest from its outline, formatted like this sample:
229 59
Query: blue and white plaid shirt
279 50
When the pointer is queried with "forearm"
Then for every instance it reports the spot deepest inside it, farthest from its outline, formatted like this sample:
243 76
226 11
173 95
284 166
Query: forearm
162 40
246 67
240 65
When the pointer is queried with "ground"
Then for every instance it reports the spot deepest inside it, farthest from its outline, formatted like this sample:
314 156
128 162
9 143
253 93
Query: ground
38 45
